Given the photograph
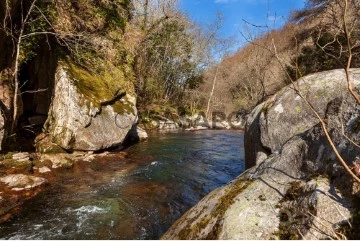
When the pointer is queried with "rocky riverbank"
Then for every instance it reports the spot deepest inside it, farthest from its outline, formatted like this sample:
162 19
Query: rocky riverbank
23 176
294 187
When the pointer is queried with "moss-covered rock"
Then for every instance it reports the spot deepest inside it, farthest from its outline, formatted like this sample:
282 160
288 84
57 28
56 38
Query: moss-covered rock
10 166
54 161
274 122
44 145
295 188
89 111
274 200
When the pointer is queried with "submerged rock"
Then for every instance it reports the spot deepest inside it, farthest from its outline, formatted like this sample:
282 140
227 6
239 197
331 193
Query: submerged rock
15 190
86 113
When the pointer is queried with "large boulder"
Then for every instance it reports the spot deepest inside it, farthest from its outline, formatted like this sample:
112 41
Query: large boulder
275 200
297 188
89 112
274 122
254 150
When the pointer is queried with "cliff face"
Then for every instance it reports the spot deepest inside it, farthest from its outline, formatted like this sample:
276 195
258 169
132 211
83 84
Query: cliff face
6 71
295 188
75 74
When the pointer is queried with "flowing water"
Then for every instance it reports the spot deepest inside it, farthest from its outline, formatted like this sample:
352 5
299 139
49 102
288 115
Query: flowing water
136 198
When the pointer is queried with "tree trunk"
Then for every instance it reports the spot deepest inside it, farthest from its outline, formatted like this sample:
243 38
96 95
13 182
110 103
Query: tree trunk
208 116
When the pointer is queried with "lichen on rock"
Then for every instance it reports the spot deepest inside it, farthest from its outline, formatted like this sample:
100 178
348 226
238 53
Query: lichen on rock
298 189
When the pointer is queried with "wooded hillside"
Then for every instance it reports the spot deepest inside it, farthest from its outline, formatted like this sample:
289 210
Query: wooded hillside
312 40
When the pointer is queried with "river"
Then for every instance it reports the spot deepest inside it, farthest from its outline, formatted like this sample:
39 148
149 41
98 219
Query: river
134 199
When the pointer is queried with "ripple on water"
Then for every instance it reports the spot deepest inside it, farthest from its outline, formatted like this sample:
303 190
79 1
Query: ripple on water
138 198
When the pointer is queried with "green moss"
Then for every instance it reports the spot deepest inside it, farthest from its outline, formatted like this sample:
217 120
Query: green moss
43 163
48 148
67 164
225 202
292 215
124 106
295 190
217 214
10 166
96 86
104 87
160 112
9 155
298 109
266 107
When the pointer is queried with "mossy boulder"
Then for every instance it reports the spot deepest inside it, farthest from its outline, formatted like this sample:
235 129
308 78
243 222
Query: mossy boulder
297 188
277 199
285 115
90 112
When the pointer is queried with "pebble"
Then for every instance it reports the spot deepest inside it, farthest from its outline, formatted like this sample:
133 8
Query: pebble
44 169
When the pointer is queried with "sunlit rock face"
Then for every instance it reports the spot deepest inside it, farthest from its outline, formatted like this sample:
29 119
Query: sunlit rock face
86 114
285 115
294 186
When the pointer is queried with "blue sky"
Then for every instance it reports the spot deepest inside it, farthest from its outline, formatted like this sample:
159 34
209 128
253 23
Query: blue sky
254 11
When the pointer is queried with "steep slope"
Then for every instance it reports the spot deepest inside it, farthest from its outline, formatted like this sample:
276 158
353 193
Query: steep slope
310 42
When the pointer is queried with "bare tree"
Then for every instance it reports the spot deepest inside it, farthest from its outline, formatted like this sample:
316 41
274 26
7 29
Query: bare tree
33 22
347 33
340 26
